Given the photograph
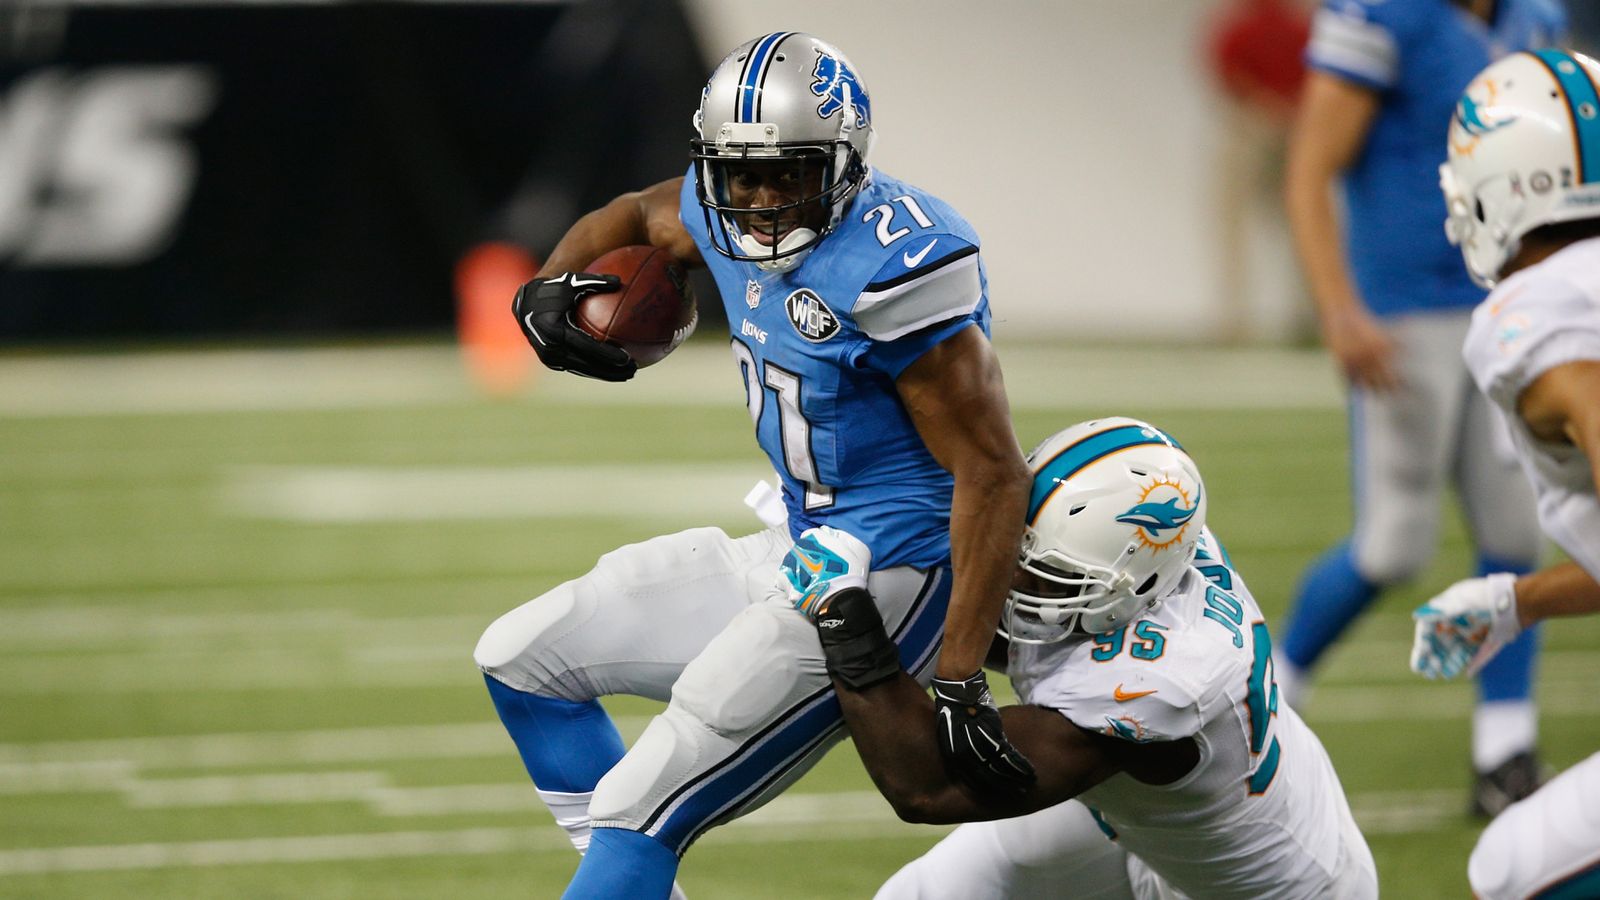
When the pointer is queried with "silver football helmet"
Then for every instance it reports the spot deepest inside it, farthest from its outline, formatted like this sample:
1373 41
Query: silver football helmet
1524 152
786 97
1116 511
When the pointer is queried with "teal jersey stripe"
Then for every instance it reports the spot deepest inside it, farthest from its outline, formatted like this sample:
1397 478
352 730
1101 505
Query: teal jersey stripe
1071 460
1583 103
751 89
1577 886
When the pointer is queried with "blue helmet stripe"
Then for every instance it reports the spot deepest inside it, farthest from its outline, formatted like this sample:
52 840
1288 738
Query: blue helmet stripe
755 71
1071 460
1583 104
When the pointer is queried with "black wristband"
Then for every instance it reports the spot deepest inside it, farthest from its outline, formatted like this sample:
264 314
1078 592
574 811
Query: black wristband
854 643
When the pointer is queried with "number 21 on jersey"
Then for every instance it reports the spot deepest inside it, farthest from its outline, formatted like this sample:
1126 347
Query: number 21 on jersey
794 432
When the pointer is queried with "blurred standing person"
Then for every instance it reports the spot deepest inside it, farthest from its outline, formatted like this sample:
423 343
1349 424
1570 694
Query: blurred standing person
1254 49
1394 304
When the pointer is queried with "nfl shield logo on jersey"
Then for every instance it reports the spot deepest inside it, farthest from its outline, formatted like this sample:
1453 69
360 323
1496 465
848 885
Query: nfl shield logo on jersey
811 317
752 293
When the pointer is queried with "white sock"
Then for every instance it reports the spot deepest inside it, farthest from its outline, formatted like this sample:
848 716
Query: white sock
1291 680
572 814
1501 730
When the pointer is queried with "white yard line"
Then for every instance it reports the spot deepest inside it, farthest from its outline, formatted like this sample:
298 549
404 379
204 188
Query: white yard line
854 815
373 494
1051 375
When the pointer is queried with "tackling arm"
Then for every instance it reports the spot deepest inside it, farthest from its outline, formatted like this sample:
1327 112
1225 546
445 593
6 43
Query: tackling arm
892 724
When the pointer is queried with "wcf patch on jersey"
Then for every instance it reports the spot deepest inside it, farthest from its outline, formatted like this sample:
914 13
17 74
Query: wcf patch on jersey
810 316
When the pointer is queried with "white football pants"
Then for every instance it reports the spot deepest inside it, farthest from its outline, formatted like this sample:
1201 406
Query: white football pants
691 618
1549 842
1406 444
1062 852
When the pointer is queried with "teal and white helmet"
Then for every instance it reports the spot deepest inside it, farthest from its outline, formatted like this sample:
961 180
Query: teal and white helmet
787 96
1116 510
1524 152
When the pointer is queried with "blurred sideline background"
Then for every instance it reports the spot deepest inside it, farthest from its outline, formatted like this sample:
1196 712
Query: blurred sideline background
256 503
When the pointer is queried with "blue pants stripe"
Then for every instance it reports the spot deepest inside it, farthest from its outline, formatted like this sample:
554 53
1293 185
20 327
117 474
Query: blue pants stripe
789 739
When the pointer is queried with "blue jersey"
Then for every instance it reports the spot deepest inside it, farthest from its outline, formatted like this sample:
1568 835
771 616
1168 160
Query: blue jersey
820 347
1419 55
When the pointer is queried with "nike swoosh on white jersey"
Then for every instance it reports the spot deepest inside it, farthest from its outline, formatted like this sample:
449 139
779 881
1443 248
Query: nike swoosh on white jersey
912 261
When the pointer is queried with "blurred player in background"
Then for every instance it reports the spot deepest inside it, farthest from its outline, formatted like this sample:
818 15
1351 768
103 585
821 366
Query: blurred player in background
1522 186
1145 674
859 312
1255 49
1393 305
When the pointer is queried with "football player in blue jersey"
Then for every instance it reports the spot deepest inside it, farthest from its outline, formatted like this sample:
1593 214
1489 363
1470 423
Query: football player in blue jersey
1394 304
859 316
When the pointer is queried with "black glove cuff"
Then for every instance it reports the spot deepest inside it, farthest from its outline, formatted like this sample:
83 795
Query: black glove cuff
854 643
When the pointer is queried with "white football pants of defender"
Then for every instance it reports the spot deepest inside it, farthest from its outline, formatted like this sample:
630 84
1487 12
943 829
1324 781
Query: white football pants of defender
1547 842
1061 851
1405 443
691 618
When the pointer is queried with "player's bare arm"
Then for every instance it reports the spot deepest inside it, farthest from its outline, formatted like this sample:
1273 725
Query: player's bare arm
892 725
1560 406
1561 590
1563 406
648 217
957 400
1331 129
543 307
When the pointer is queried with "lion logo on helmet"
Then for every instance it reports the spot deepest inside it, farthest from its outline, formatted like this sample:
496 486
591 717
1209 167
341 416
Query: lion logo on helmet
833 75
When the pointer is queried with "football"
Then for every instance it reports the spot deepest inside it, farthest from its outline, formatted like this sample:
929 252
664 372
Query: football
653 311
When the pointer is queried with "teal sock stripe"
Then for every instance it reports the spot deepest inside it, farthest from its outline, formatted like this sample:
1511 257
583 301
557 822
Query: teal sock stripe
1583 104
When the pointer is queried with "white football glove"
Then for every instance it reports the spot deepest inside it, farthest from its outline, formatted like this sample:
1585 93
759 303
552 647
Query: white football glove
823 562
1465 626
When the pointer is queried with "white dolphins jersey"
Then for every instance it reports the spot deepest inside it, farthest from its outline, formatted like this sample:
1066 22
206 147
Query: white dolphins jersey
1262 813
1542 317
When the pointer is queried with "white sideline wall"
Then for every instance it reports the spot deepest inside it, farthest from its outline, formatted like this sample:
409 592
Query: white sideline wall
1081 137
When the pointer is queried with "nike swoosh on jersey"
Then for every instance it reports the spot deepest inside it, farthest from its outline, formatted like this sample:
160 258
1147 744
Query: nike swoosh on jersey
1122 696
913 261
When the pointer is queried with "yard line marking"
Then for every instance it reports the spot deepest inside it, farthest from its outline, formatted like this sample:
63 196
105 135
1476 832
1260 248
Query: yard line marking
854 815
321 848
386 494
278 748
18 779
701 374
243 790
1407 812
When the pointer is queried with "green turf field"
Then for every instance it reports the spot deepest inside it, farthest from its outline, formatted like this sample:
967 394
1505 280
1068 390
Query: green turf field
239 594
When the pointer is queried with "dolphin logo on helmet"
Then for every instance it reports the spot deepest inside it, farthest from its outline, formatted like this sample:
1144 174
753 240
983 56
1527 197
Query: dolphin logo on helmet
1469 115
1157 517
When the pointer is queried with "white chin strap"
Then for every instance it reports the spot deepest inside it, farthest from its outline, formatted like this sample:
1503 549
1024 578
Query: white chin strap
756 250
